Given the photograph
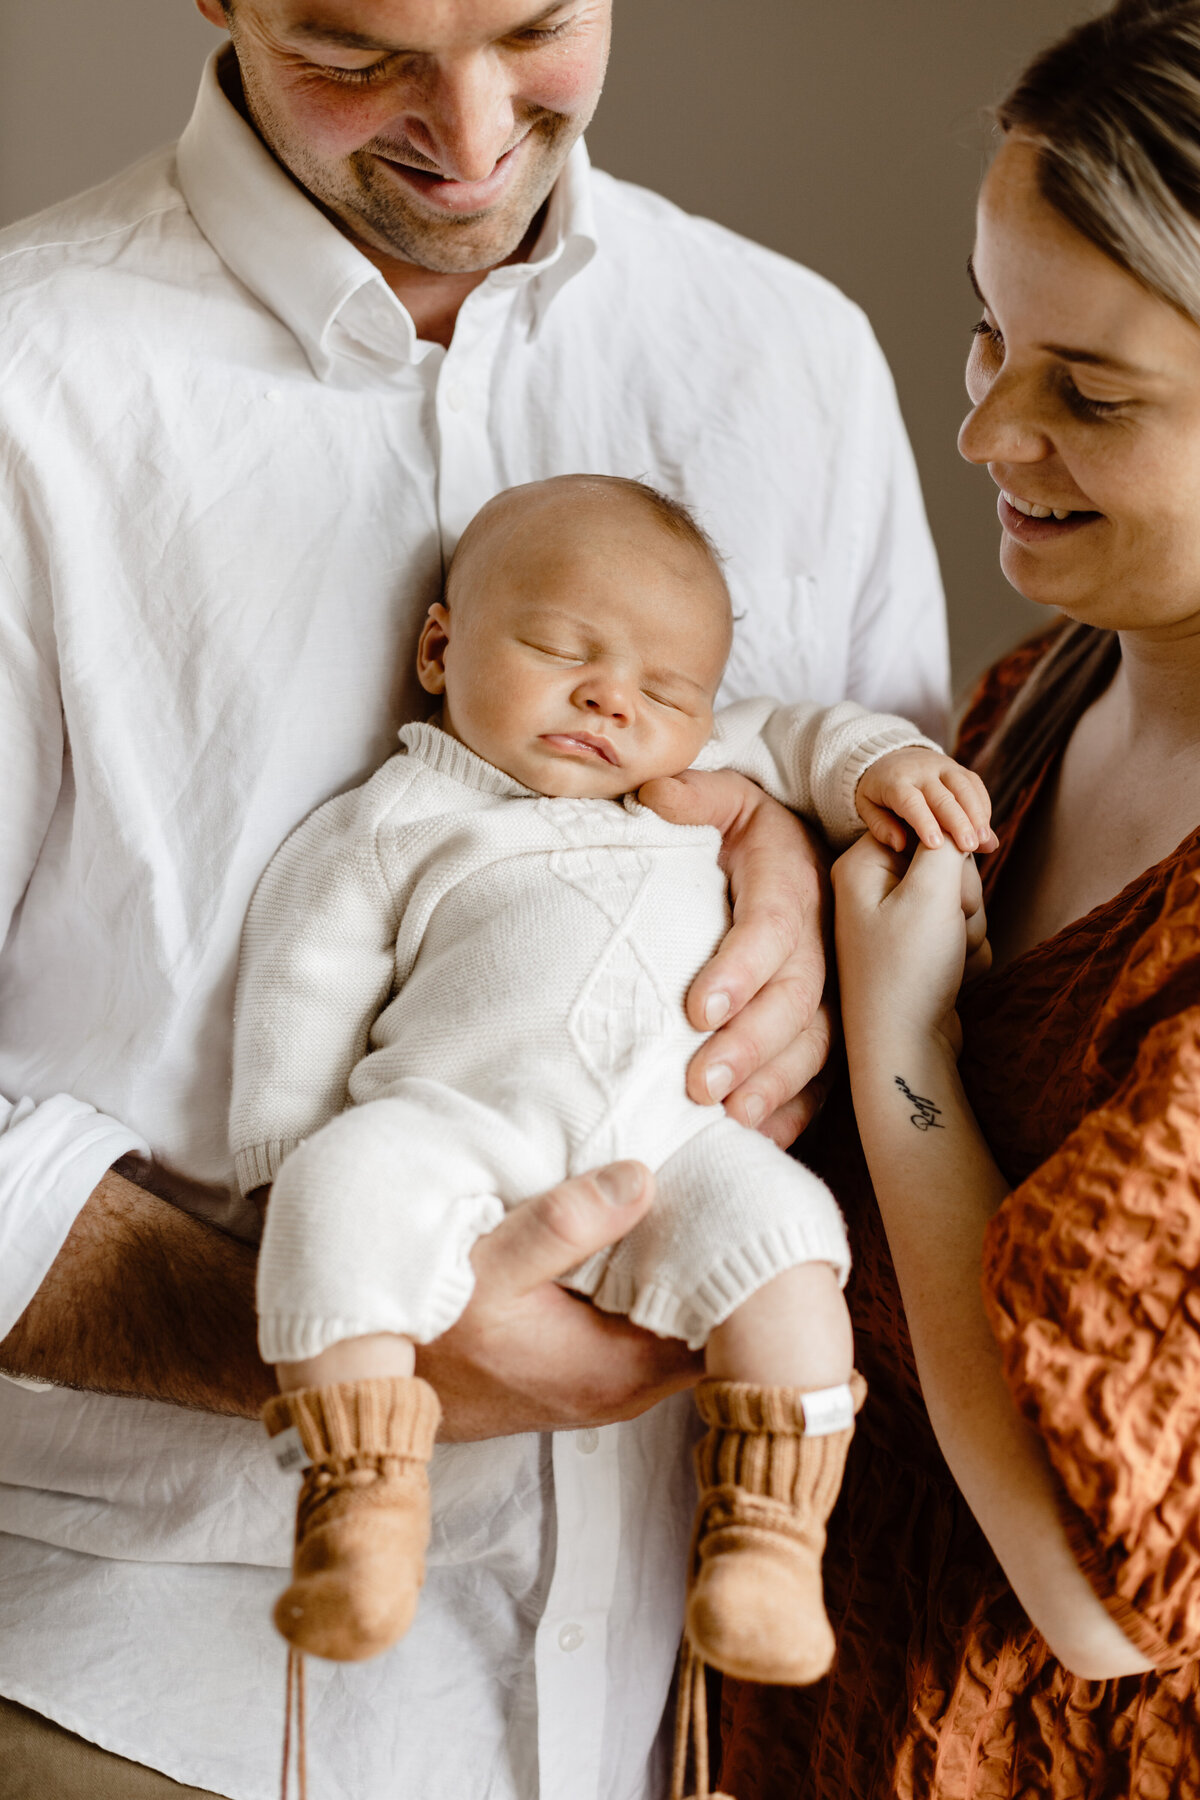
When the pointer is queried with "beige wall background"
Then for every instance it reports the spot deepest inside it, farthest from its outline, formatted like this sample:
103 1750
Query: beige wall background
849 134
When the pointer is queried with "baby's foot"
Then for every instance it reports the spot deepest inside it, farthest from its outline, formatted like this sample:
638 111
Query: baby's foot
362 1522
755 1606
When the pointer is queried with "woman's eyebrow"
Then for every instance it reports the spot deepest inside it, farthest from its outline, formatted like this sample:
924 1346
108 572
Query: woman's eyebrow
1067 352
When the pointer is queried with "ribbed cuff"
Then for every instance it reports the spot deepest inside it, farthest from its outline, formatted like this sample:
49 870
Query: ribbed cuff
258 1164
387 1416
745 1406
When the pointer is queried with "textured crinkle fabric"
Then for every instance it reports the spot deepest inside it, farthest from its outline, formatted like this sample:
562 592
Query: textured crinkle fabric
1082 1061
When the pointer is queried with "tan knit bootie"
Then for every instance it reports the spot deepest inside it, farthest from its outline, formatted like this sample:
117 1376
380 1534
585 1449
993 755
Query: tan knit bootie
362 1521
756 1606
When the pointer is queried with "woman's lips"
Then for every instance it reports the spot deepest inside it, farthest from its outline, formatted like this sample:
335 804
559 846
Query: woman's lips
1041 531
580 743
456 196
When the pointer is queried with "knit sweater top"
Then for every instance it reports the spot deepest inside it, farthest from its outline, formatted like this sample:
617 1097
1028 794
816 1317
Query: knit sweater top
1082 1064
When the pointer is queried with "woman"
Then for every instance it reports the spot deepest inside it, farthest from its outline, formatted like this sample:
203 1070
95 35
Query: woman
1015 1564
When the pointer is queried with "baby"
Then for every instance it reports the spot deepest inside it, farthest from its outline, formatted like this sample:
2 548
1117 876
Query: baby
465 980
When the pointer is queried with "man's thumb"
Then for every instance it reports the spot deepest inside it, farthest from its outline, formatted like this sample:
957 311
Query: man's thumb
543 1238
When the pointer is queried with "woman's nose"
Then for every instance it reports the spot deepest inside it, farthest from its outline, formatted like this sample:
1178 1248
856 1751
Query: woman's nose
1003 427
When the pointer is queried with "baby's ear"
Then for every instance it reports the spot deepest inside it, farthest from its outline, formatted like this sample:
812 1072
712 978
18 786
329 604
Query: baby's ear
431 649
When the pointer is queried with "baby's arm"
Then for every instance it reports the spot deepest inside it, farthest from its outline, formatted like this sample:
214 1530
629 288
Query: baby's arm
317 965
811 757
929 791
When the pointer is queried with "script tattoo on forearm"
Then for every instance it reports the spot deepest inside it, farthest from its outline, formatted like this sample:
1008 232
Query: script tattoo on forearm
925 1116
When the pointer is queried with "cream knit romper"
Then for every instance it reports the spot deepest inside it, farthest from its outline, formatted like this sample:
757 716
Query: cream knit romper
454 992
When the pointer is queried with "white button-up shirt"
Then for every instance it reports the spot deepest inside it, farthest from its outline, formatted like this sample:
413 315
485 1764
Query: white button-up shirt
230 474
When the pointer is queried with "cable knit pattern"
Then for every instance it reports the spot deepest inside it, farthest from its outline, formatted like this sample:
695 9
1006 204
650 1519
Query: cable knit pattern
495 981
1082 1062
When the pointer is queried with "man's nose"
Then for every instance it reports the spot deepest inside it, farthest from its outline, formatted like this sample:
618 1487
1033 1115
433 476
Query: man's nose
464 120
1003 426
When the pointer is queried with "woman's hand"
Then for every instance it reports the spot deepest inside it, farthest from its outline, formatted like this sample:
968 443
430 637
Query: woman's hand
906 931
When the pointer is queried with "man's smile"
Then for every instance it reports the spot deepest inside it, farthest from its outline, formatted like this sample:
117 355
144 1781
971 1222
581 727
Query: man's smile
451 196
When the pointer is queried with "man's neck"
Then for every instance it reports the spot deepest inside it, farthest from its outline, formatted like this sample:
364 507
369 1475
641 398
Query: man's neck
432 298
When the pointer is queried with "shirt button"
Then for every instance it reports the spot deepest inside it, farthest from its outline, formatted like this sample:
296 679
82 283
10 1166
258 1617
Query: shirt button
570 1637
587 1442
455 398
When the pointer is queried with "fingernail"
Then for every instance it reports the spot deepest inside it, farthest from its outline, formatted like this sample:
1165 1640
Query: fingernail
970 841
718 1080
620 1183
716 1009
755 1107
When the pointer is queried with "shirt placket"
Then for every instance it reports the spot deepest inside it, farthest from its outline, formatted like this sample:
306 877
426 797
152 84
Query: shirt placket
466 470
571 1647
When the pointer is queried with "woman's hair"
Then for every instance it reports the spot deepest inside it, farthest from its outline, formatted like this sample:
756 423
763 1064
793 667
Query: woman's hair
1113 111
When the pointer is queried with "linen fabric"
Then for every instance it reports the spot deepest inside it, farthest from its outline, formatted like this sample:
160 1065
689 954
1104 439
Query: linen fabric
496 980
1082 1063
230 474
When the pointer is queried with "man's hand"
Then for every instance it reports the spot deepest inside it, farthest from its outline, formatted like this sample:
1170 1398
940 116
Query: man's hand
528 1356
764 986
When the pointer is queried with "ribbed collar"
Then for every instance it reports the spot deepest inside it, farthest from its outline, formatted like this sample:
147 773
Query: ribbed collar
275 240
448 756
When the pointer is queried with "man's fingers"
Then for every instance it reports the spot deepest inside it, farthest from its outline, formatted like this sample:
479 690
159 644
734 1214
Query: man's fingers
789 1122
698 797
773 1049
543 1238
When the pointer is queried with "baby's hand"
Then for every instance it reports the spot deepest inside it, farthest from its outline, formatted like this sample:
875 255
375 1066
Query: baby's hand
930 792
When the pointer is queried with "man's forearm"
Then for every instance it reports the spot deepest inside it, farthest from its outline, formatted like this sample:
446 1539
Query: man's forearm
145 1300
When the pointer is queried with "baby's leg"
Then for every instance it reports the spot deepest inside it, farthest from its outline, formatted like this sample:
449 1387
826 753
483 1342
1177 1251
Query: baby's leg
746 1231
794 1332
366 1251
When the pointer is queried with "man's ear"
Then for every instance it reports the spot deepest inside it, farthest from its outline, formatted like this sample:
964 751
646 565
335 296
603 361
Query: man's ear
215 13
431 650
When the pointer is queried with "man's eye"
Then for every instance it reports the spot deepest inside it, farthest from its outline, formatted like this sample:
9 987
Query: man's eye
989 333
357 77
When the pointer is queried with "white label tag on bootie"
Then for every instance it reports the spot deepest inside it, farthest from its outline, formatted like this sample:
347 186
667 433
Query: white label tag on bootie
289 1452
827 1410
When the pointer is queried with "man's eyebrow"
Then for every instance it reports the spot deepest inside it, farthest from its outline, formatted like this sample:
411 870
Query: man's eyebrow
1068 353
320 31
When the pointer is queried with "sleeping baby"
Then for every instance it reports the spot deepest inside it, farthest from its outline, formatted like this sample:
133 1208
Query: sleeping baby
465 980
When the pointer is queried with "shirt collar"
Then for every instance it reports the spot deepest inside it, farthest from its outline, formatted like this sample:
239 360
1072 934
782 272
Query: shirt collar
275 240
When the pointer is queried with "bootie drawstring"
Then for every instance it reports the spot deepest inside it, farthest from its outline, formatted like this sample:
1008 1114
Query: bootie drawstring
294 1707
692 1711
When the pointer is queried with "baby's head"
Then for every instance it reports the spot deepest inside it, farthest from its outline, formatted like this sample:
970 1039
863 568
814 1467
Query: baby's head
582 637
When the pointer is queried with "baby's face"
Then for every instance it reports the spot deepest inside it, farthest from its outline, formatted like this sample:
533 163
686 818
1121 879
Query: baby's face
582 647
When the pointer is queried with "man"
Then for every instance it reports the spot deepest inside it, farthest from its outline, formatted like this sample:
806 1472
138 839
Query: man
253 390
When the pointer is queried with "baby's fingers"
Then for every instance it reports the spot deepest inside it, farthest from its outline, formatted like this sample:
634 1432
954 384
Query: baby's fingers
975 801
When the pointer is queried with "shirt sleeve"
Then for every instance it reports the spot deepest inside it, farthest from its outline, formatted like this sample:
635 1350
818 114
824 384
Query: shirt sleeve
899 650
317 967
809 757
1092 1283
53 1152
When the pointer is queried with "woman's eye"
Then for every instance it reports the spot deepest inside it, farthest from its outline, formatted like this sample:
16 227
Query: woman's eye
1086 408
989 333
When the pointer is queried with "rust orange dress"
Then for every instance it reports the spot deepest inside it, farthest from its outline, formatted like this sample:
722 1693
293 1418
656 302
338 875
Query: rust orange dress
1082 1063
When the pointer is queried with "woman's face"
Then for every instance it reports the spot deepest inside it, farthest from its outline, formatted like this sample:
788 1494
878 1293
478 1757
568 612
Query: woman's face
1085 395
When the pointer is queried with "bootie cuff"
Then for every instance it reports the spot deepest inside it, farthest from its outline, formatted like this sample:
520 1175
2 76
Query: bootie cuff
386 1416
745 1406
